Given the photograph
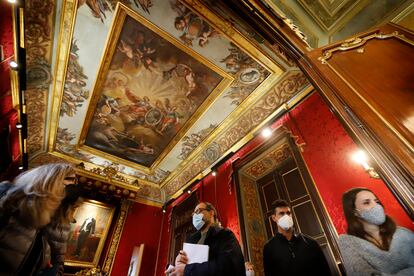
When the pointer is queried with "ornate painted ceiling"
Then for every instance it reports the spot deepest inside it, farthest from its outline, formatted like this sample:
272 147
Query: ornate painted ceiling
152 93
149 95
326 21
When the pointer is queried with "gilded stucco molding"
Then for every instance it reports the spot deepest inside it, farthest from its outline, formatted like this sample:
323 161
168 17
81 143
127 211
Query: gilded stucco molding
357 42
38 40
116 237
290 85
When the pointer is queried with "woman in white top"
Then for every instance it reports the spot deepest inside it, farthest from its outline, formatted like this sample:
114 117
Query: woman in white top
374 245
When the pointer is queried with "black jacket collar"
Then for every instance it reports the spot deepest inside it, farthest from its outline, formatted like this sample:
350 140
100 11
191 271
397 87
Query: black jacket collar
211 233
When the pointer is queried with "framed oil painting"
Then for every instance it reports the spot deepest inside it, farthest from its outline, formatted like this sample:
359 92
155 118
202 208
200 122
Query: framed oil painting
136 260
150 90
87 236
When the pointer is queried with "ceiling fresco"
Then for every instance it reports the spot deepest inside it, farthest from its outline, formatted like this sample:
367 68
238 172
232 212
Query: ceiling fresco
148 95
155 92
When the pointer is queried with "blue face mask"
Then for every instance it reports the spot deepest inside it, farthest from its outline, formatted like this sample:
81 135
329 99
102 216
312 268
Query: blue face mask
198 221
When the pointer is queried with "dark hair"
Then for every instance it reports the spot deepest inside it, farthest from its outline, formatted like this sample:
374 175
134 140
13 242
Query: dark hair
355 226
210 207
280 203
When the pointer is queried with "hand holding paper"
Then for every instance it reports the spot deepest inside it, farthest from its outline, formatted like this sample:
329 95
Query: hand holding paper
196 253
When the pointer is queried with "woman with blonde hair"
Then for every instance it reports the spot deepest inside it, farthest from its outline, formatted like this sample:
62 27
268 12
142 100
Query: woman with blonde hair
374 245
27 205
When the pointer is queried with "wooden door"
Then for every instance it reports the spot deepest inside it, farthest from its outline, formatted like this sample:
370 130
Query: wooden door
182 225
286 182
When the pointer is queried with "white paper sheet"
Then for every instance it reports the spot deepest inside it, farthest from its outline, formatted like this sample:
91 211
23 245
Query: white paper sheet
196 253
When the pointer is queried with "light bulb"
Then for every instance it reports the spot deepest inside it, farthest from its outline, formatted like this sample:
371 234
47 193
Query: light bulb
13 64
267 132
361 158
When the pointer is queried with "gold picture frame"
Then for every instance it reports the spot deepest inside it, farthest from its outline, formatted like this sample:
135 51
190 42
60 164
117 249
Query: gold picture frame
122 14
88 235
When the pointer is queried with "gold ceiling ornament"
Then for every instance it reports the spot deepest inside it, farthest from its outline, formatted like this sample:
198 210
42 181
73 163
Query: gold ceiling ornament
110 173
296 30
94 271
357 42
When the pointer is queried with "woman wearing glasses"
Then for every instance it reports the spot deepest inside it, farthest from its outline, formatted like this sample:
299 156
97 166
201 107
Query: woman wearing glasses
30 207
374 245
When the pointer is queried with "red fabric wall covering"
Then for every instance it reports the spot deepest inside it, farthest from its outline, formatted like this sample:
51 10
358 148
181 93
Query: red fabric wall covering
165 243
219 191
6 40
6 28
143 225
328 154
8 116
211 189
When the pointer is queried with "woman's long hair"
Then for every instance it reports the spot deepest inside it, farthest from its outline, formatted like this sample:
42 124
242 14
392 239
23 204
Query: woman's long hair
355 226
36 194
65 213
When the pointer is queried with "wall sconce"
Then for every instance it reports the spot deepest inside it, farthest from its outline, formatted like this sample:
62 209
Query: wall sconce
361 158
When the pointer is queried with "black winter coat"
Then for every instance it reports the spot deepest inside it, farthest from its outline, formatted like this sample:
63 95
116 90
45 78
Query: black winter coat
225 256
299 256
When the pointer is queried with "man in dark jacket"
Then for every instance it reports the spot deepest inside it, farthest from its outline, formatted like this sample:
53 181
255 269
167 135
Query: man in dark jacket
225 256
292 254
87 228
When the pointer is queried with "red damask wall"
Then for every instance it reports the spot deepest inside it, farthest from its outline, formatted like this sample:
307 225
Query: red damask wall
6 40
8 116
143 225
327 153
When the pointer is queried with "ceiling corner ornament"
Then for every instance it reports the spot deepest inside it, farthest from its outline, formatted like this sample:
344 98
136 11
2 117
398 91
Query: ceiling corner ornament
118 184
113 247
357 42
296 30
110 173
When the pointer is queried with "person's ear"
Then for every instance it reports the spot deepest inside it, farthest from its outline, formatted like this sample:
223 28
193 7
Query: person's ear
274 218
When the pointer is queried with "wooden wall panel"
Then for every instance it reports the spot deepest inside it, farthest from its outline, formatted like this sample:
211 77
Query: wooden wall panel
369 80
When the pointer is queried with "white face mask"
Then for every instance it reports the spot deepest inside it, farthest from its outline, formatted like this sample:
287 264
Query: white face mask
285 222
375 215
250 273
198 221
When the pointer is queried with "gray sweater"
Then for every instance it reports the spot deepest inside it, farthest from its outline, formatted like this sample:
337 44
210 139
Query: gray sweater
362 257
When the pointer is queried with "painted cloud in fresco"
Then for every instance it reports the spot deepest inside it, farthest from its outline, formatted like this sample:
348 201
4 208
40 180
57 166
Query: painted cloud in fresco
248 74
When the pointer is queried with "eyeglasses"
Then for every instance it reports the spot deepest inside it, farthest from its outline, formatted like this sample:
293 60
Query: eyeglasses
199 210
73 179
